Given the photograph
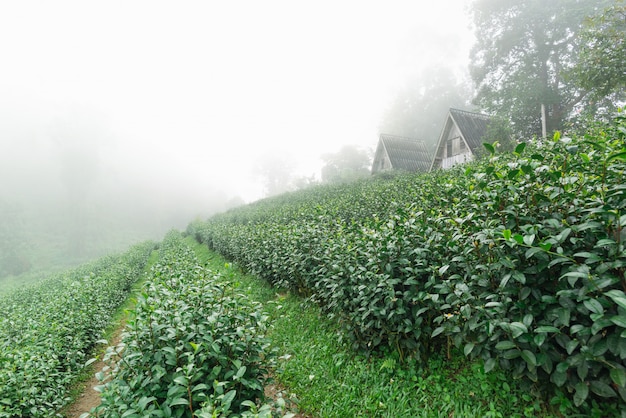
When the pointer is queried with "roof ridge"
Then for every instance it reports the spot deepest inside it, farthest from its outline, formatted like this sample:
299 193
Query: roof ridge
401 137
484 115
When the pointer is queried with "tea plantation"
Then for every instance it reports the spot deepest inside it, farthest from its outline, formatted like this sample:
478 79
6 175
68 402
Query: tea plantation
517 259
513 266
48 329
194 346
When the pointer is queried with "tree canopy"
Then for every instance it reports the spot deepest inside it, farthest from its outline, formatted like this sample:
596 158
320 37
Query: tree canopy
523 55
347 164
418 110
600 69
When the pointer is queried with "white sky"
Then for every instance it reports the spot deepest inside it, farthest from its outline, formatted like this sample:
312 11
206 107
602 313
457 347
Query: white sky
194 92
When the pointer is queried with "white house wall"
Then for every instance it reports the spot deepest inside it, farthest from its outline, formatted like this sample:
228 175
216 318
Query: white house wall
452 149
456 159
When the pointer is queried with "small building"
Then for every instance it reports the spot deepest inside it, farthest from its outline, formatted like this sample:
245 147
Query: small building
401 153
461 138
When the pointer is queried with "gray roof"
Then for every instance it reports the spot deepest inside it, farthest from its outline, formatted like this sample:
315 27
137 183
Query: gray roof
406 153
473 126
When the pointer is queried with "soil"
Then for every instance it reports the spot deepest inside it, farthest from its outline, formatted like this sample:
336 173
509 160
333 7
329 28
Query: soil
89 398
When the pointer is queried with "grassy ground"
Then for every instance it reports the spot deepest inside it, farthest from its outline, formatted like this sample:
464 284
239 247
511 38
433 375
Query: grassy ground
329 380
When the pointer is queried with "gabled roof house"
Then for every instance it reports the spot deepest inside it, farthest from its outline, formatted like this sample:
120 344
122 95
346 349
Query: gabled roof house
401 153
461 138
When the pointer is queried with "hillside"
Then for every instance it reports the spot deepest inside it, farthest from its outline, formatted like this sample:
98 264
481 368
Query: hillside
517 259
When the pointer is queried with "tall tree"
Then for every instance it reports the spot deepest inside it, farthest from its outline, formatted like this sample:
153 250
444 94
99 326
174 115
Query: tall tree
522 52
14 240
348 164
602 59
277 172
419 108
78 139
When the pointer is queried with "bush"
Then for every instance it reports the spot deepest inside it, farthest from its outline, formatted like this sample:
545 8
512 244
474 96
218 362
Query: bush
517 258
192 346
47 330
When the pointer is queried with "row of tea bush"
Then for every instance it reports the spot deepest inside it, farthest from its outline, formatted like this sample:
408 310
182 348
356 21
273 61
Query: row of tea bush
517 258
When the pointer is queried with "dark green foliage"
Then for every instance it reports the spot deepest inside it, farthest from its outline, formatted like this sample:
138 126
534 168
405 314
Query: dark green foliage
500 134
517 259
48 329
194 346
600 66
522 57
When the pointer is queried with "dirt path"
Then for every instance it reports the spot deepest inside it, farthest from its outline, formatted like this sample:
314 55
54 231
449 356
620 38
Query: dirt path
89 398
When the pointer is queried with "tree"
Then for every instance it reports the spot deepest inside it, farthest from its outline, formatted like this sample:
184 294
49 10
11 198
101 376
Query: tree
348 164
78 139
522 53
499 133
600 67
277 173
418 110
14 242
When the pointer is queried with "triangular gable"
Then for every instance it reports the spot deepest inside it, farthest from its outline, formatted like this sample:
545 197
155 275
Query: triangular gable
461 137
473 127
400 153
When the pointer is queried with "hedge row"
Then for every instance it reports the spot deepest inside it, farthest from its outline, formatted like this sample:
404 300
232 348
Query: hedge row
193 347
47 330
519 259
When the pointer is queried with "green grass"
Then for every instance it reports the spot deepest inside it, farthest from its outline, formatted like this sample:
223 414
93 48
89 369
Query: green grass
330 380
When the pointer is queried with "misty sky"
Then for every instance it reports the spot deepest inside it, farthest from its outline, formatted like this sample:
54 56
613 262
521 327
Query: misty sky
189 95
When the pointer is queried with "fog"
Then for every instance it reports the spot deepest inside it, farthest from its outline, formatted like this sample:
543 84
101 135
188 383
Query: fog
122 119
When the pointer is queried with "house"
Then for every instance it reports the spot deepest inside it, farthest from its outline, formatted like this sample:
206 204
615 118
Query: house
401 153
461 138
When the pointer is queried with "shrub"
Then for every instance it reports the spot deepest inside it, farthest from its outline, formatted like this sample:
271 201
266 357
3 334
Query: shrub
517 258
193 344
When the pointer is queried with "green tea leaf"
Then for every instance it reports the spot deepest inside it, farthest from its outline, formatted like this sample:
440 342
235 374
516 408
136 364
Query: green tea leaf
602 389
512 354
181 380
558 378
618 376
618 296
199 386
517 329
532 251
529 239
437 331
489 147
529 357
513 173
546 328
619 320
617 156
582 391
490 363
178 401
593 306
505 345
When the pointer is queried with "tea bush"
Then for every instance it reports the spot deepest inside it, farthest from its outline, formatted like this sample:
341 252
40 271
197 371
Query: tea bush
517 258
47 330
193 346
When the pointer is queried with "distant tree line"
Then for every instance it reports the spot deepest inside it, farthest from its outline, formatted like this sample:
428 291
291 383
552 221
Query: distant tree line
552 62
550 65
536 65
